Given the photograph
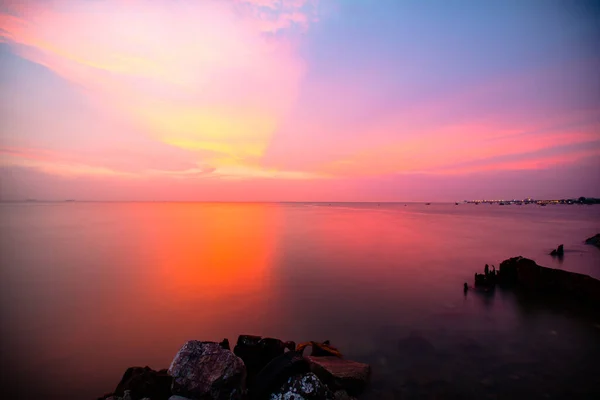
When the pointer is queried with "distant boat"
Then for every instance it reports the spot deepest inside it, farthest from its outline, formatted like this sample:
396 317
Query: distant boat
543 204
501 203
455 204
68 200
427 204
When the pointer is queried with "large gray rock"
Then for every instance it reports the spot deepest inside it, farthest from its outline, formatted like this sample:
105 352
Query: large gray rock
341 374
204 370
303 387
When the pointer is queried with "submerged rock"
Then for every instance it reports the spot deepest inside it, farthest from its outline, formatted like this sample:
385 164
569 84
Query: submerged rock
340 374
303 387
594 240
205 370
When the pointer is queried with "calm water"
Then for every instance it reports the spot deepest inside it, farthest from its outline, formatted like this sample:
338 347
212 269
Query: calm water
89 289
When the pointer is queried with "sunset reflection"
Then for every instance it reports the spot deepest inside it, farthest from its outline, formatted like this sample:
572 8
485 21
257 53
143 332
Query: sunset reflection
226 251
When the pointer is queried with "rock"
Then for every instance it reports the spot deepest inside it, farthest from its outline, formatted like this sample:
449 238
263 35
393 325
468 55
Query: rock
559 252
342 395
126 396
257 352
526 274
275 373
340 374
301 387
205 370
225 344
144 382
594 240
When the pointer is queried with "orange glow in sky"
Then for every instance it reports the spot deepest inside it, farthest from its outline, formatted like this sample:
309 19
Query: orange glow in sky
294 100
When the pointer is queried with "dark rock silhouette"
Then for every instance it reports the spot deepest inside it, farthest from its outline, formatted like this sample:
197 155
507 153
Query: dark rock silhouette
558 252
594 240
486 280
144 382
257 352
276 372
207 371
527 274
225 344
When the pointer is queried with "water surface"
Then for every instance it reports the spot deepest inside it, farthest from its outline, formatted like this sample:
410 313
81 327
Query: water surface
89 289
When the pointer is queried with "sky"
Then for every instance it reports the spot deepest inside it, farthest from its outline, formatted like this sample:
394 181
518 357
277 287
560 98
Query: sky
299 100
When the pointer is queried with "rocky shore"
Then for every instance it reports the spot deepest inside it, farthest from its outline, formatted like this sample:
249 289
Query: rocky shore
267 368
257 368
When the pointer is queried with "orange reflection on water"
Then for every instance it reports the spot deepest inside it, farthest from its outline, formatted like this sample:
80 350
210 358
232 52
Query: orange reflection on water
216 250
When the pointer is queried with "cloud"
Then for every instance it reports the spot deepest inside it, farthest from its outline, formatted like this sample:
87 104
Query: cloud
201 76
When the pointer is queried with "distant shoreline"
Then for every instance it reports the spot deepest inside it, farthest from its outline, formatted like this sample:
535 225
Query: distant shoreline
589 201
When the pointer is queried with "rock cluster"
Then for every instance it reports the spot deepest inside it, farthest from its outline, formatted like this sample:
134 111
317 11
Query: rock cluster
526 274
258 368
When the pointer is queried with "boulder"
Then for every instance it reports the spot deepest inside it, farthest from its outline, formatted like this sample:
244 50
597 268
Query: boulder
594 240
204 370
142 382
341 374
257 352
277 372
299 387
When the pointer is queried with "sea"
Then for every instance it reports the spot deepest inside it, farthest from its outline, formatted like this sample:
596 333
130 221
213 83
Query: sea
89 289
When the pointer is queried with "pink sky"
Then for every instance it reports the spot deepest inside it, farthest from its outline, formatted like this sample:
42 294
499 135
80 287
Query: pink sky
268 100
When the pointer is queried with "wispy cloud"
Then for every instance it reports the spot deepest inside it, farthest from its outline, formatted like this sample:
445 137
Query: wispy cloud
201 76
